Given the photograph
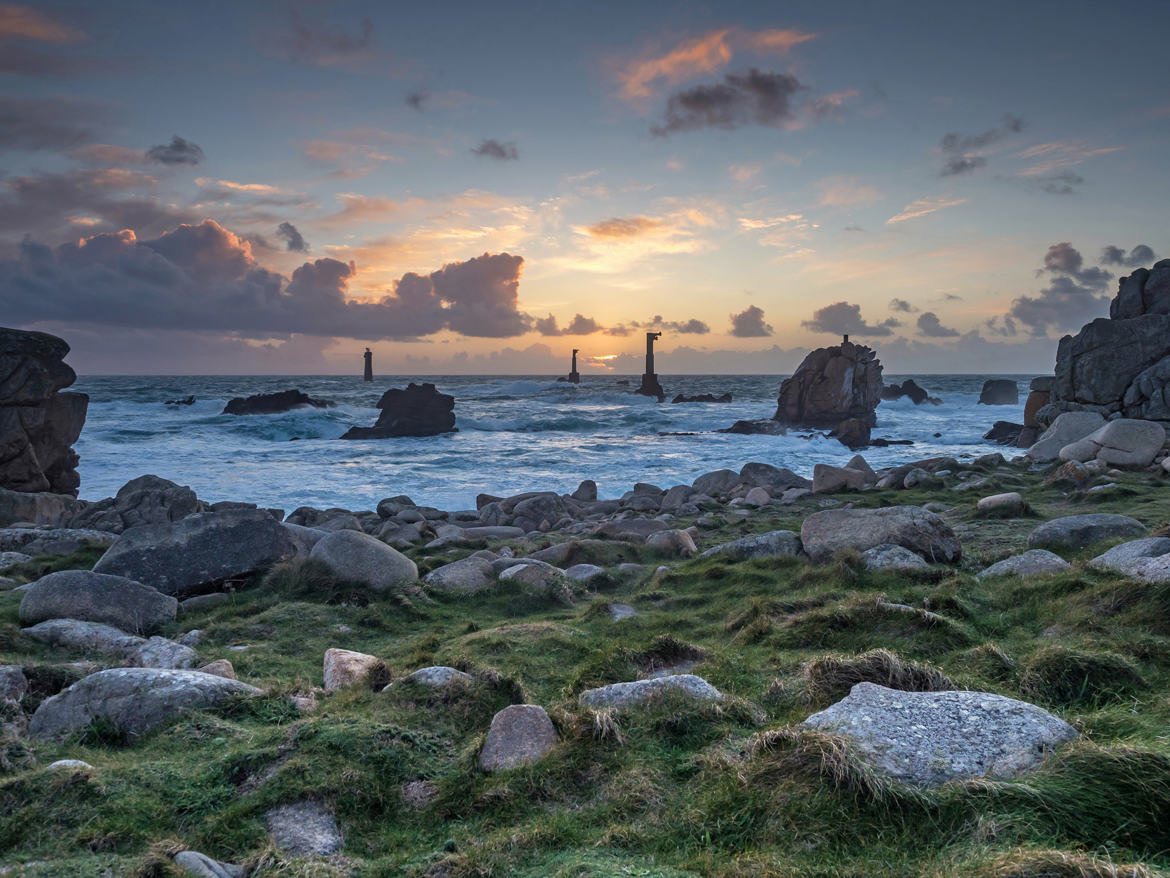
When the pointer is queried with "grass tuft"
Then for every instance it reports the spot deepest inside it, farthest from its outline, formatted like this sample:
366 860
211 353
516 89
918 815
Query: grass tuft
831 677
1061 676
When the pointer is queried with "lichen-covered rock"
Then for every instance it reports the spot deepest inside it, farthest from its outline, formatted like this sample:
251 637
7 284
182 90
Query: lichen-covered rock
520 734
94 637
358 557
304 829
639 691
1137 558
97 597
823 534
775 544
188 556
1034 562
889 557
928 738
132 700
439 677
1079 531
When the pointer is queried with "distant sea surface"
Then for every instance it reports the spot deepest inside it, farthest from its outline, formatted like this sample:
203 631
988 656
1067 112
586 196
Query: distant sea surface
515 434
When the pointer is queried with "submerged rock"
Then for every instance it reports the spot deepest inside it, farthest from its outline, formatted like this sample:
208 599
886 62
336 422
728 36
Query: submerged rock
274 403
929 738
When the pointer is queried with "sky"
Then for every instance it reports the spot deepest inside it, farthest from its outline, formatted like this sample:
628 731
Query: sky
480 188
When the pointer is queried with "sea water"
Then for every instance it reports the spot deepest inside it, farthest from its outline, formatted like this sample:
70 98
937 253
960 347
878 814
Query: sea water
514 434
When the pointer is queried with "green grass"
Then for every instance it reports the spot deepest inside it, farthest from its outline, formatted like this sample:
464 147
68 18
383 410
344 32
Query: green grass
678 789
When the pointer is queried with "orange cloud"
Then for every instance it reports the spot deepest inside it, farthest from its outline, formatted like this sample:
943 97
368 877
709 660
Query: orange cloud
619 227
1060 155
778 40
842 191
924 207
24 23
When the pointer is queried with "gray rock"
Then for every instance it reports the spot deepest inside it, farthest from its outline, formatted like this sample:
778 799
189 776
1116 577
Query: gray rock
145 500
1067 428
1137 558
304 829
94 637
619 612
757 497
774 479
202 866
11 559
635 529
640 691
775 544
51 540
188 556
830 479
584 572
359 557
203 602
890 557
1121 442
304 538
13 683
133 700
675 543
344 667
999 391
538 578
69 765
520 734
1010 504
439 677
928 738
97 597
1079 531
1153 570
718 482
823 534
467 576
1034 562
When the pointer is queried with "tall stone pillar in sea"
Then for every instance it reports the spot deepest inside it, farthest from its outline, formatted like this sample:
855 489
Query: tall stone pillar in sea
574 375
369 357
650 385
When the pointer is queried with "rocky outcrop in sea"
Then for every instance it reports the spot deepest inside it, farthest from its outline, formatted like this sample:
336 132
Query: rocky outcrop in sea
419 410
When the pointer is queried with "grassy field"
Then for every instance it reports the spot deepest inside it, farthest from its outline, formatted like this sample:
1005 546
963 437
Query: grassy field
676 789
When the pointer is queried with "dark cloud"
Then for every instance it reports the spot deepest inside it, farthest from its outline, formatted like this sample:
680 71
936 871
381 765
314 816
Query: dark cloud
319 44
961 150
416 99
753 98
1074 295
853 227
204 278
36 124
1060 182
579 325
177 152
1138 256
929 325
657 323
749 323
494 149
293 239
843 318
903 306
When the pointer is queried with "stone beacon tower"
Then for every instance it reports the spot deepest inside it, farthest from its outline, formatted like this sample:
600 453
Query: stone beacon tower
369 358
650 385
574 375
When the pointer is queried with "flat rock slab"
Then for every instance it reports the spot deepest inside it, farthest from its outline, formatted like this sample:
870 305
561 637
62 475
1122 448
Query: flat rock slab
641 691
133 700
1079 531
1034 562
775 544
97 597
823 534
304 829
928 738
186 557
94 637
520 734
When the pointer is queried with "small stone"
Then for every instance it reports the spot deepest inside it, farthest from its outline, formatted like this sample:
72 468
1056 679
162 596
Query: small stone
304 829
584 572
520 734
203 866
439 677
1009 505
639 691
69 765
343 668
1034 562
220 668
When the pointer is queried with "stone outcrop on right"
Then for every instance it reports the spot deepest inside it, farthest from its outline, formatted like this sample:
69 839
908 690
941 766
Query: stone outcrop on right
1120 365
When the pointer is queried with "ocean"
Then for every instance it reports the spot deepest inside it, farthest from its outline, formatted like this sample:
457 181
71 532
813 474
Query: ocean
516 433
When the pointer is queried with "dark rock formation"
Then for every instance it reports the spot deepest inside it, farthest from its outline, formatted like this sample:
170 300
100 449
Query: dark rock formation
185 400
1122 364
999 391
273 403
908 388
145 500
702 397
419 410
38 425
837 388
1004 433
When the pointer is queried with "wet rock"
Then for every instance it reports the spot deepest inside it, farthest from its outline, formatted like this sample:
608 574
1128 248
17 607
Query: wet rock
640 691
1034 562
519 735
304 829
96 597
999 391
823 534
274 403
1004 433
908 388
419 410
1079 531
361 558
132 700
928 738
834 387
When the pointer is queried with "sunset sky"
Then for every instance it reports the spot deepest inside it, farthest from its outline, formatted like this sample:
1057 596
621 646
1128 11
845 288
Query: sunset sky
270 187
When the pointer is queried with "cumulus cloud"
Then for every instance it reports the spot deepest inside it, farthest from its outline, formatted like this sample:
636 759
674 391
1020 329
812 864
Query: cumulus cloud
753 98
902 305
962 151
1075 295
205 278
579 325
177 152
494 149
293 239
36 124
1138 256
844 318
749 323
930 325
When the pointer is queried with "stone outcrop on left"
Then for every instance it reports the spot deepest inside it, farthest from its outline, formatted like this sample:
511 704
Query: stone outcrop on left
419 410
836 388
38 423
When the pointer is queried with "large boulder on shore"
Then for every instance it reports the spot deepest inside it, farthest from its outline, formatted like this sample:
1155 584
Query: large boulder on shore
419 410
358 557
823 534
38 423
132 700
147 499
274 403
97 597
928 738
837 388
187 557
1121 442
1067 428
